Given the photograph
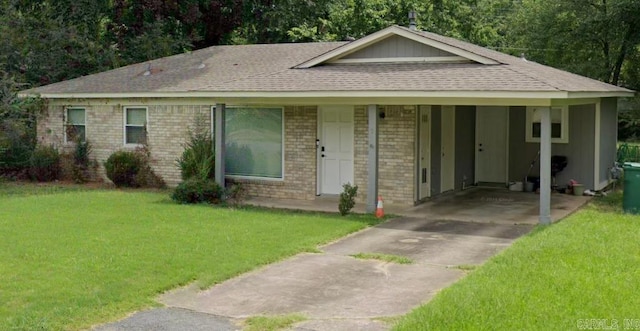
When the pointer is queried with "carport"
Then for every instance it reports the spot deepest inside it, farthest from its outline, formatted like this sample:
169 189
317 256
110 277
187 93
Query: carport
475 204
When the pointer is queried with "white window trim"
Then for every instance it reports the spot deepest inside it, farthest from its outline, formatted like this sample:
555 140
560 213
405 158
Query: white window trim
564 134
124 124
66 120
256 178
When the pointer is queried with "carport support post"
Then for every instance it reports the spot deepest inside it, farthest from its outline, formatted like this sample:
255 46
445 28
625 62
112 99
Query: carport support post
372 161
545 165
219 143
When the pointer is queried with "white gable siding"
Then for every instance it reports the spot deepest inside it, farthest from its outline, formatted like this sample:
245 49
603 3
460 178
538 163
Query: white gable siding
397 46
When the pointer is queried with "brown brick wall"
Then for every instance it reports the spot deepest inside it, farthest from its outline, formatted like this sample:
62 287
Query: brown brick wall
168 130
396 174
300 126
361 150
396 153
167 133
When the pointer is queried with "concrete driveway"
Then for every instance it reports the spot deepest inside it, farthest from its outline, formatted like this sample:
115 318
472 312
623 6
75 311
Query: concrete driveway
334 290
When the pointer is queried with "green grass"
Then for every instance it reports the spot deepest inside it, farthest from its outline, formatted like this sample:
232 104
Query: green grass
383 257
73 258
585 267
24 189
272 323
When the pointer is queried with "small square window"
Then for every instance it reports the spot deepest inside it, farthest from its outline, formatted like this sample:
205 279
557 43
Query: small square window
75 125
135 128
559 124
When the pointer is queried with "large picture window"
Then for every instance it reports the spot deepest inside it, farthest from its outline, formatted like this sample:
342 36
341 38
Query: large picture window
135 127
254 142
559 124
75 125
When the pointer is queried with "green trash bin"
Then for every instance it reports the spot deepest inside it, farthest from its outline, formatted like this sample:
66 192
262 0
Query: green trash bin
631 199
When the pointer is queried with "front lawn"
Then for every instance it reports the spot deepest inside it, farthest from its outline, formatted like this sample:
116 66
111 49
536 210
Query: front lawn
581 273
73 259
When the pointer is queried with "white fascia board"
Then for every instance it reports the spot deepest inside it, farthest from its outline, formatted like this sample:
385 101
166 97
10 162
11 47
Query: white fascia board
561 97
385 33
607 94
317 94
472 98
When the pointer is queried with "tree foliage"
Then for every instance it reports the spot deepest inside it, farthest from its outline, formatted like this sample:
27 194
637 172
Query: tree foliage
46 41
595 38
17 125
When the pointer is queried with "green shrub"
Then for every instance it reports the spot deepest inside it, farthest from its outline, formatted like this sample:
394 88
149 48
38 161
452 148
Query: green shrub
81 162
347 198
197 159
16 145
146 177
235 194
196 190
44 164
122 168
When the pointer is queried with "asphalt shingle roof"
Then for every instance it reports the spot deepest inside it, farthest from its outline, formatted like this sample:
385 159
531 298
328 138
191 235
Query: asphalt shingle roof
270 68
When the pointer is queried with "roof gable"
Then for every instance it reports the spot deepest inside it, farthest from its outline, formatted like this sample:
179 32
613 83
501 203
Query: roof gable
396 44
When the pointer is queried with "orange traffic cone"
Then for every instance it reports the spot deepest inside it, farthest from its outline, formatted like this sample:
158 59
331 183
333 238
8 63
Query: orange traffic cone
379 208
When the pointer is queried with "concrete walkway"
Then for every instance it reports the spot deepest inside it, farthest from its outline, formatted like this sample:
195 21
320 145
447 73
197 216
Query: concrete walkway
334 290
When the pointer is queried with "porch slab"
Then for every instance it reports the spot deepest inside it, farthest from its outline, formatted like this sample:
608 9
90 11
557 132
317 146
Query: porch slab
477 204
495 205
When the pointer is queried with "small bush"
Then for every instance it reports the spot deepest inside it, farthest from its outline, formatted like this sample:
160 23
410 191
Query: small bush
44 164
235 194
17 143
196 190
81 163
146 177
122 168
197 159
347 198
131 169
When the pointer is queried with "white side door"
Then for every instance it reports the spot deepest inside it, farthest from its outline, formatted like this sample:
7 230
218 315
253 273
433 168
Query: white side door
447 156
336 148
492 144
424 152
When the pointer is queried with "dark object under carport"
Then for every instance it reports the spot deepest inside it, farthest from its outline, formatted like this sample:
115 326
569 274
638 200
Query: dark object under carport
631 198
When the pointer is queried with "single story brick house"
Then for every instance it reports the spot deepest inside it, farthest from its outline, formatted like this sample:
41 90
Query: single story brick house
401 113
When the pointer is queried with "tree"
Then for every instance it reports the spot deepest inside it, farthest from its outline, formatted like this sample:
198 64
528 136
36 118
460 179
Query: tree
596 38
40 46
17 125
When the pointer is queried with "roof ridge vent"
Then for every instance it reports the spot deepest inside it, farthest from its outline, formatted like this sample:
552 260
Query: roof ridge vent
148 71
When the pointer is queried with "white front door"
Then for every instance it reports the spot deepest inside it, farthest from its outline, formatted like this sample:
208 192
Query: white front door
447 156
492 144
424 153
336 148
